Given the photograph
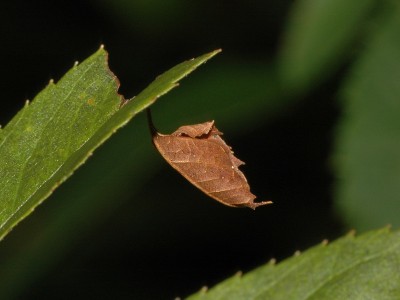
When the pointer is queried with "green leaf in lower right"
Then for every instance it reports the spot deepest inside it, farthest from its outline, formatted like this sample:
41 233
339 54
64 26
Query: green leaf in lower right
362 267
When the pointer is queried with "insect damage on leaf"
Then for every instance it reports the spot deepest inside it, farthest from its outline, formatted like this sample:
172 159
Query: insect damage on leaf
200 154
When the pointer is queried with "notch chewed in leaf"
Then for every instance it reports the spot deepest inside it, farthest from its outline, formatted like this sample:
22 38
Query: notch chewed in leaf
200 154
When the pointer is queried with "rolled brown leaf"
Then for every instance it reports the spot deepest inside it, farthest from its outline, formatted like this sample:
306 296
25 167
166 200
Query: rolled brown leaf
200 154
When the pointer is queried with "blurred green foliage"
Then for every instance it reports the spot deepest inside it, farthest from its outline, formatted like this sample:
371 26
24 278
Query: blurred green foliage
318 38
368 146
298 88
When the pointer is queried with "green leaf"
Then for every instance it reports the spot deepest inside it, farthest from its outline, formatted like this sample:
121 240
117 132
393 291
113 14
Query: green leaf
83 203
318 36
368 145
364 267
49 138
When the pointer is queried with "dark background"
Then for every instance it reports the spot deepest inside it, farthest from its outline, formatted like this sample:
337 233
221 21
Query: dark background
161 238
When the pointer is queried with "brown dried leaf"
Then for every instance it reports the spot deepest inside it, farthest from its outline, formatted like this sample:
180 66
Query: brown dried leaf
202 157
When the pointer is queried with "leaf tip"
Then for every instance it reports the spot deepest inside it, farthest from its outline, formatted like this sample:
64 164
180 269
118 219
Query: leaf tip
212 54
216 51
254 205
